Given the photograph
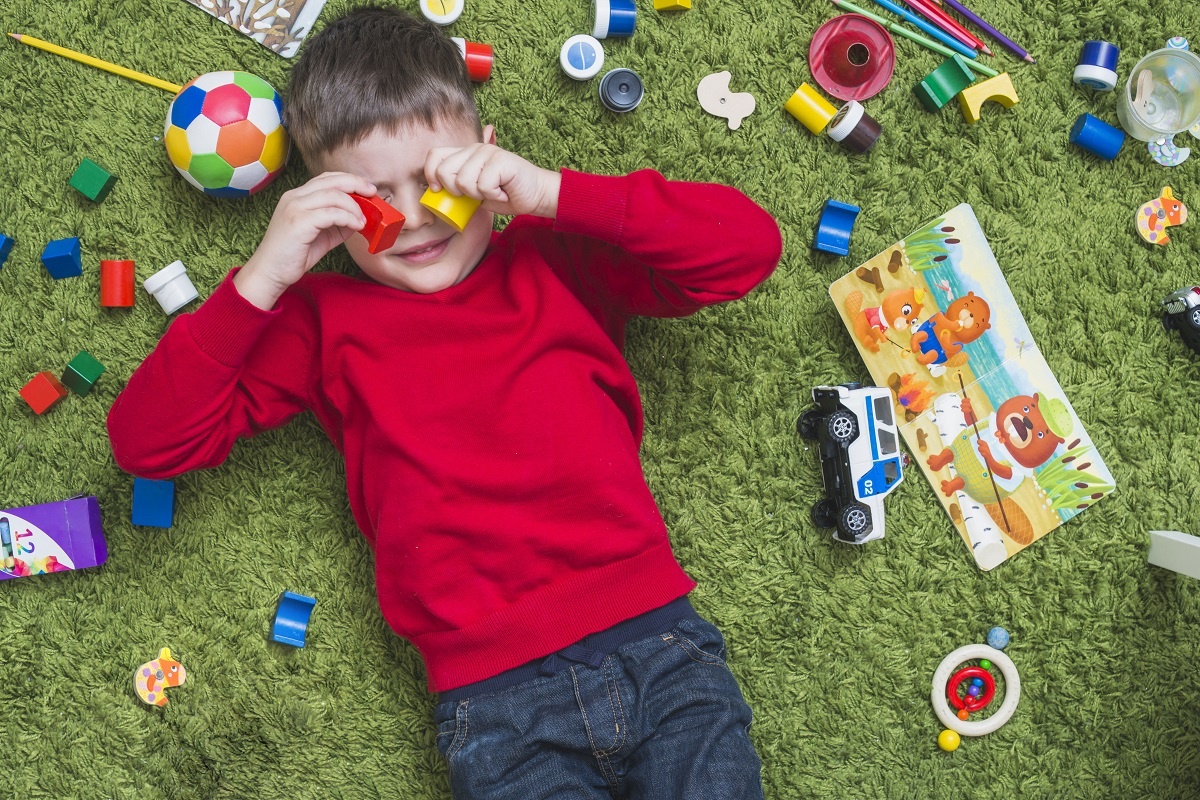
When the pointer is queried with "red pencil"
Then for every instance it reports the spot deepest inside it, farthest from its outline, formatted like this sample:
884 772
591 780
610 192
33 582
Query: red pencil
931 11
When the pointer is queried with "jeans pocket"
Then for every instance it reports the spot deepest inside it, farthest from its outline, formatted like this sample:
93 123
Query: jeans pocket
700 640
451 720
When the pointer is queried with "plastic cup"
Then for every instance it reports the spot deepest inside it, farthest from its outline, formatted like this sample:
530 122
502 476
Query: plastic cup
1170 102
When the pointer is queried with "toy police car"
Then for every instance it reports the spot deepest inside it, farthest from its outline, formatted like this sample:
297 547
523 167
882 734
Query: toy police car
860 458
1181 312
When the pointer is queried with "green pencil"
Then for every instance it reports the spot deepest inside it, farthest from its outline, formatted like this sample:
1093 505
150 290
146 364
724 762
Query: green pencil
937 47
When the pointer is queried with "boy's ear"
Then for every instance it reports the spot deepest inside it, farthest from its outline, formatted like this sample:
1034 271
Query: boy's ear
489 134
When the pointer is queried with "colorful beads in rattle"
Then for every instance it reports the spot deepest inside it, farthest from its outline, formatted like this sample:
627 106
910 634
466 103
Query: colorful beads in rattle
950 677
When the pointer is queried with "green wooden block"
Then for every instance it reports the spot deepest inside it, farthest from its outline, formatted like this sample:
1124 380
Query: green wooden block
940 86
92 180
82 373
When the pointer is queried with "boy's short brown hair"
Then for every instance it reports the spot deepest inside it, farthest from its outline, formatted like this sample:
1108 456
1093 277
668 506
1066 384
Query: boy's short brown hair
371 68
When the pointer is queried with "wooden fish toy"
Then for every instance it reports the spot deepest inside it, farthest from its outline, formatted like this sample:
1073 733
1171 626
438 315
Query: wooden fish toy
1155 217
154 676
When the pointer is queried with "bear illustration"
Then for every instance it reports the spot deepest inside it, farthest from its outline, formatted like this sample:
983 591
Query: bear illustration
899 309
941 337
1026 428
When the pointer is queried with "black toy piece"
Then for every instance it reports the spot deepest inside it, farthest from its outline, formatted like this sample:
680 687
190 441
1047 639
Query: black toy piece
621 90
1181 312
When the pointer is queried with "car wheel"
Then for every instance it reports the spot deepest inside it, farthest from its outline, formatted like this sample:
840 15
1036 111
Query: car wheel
824 514
1194 316
855 520
842 426
806 426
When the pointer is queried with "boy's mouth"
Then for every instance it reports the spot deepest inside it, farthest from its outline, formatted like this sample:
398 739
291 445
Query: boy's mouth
426 252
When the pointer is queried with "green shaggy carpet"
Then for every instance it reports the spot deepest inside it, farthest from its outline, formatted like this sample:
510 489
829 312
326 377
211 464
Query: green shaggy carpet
834 646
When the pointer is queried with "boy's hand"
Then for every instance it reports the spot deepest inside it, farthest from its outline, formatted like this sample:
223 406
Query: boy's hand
308 222
505 182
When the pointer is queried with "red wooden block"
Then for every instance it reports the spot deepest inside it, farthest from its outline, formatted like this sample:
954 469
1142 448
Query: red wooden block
43 391
116 284
478 58
383 222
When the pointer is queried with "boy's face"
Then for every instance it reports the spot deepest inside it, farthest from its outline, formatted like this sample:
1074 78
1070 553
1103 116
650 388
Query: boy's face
428 255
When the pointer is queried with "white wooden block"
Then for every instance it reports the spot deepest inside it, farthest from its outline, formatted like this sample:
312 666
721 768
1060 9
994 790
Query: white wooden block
1179 552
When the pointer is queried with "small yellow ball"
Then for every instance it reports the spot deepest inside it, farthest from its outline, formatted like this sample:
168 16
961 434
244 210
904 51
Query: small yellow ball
949 741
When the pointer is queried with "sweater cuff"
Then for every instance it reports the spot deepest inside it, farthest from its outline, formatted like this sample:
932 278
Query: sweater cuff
227 326
592 205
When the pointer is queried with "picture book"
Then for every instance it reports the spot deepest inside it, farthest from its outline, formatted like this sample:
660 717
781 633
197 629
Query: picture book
982 415
278 25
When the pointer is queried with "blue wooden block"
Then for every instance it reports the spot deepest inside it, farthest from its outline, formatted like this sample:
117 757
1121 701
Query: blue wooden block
6 246
834 227
153 503
291 620
61 258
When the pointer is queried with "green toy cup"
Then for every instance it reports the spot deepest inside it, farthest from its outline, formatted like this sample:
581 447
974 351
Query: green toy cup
1162 97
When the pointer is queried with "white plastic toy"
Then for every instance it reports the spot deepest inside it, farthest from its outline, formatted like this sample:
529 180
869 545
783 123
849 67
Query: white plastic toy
1012 690
442 12
171 287
581 57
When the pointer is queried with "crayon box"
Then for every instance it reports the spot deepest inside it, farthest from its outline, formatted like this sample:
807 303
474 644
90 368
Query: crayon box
52 537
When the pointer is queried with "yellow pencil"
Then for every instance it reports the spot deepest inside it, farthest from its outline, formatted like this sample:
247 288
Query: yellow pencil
96 62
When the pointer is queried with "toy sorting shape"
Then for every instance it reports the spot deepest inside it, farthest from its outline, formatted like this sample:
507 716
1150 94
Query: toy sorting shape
1154 217
1097 67
715 98
834 227
291 620
852 57
812 110
940 86
383 222
153 677
1097 136
999 88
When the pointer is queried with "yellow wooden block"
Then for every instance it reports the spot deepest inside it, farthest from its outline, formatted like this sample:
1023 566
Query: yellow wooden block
807 105
452 209
999 88
672 5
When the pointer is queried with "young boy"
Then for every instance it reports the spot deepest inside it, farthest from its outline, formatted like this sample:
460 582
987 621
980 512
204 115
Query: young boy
474 383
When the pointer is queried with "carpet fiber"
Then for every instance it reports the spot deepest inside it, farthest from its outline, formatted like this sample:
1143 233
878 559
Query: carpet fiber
834 646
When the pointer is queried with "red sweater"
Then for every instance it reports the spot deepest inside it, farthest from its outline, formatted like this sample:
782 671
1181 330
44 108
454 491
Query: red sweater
490 430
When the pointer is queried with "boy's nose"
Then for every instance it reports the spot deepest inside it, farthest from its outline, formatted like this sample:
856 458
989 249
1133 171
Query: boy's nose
416 216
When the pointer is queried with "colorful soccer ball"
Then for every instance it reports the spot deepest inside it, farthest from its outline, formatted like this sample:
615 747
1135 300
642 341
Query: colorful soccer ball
225 133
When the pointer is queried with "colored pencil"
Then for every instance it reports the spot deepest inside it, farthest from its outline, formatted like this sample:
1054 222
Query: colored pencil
990 31
92 61
934 13
900 30
931 30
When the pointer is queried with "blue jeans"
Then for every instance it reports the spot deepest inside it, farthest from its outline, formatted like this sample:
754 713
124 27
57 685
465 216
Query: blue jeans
661 718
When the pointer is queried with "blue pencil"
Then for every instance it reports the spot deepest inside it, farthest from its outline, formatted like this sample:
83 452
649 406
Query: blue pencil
931 30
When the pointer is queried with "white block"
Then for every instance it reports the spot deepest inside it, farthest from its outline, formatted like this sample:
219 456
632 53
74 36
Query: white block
1179 552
